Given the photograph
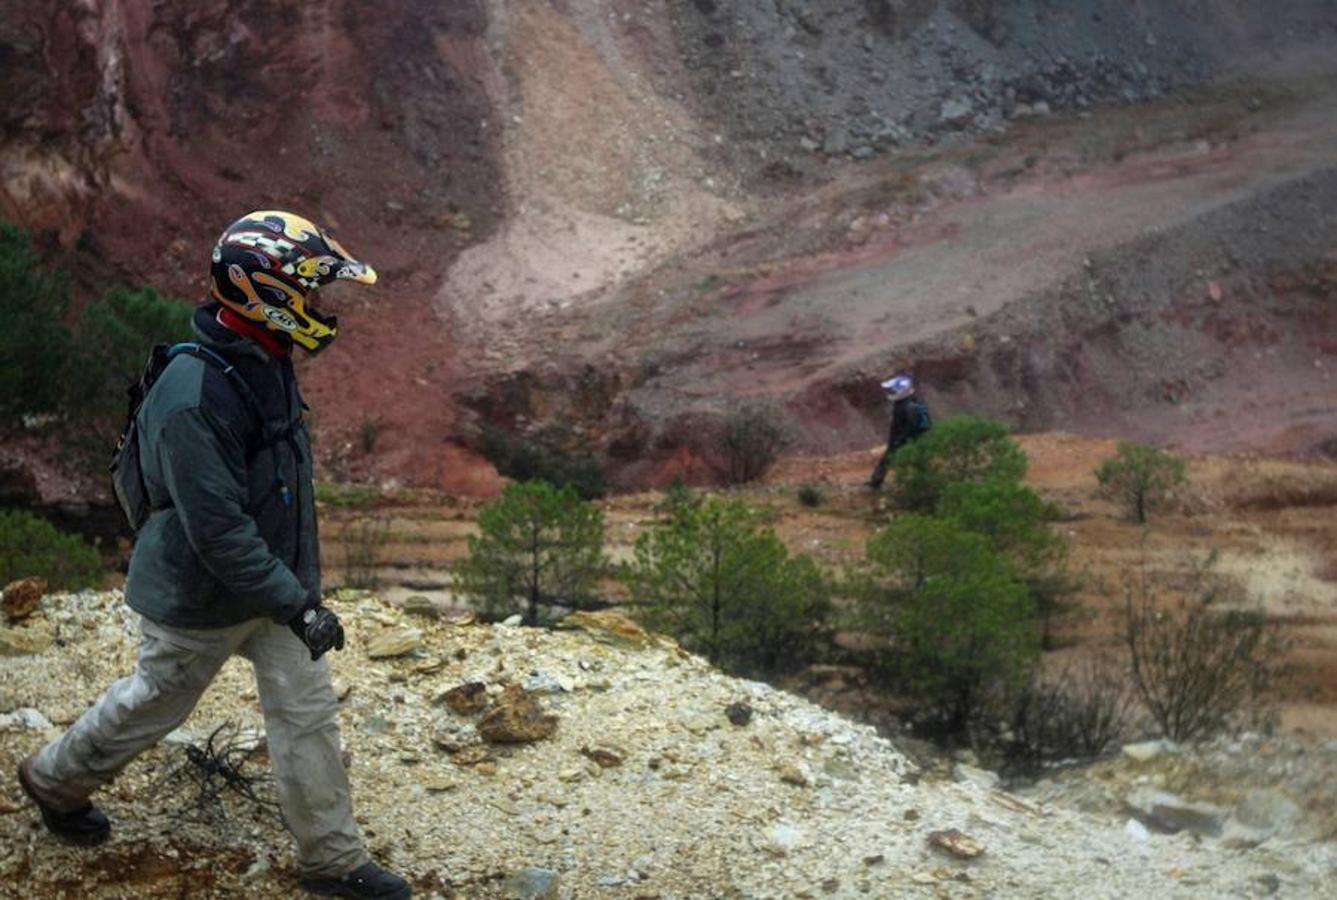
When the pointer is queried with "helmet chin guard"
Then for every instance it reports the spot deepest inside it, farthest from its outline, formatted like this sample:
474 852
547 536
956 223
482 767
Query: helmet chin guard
267 266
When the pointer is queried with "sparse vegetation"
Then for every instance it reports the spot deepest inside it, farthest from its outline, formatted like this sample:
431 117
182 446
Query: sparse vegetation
34 342
956 451
751 439
551 455
1078 712
810 496
1016 521
1200 666
540 549
111 345
367 434
957 625
364 540
1142 477
330 493
30 545
727 588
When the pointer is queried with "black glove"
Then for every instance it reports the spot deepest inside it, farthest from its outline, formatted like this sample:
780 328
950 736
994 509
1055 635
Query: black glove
319 629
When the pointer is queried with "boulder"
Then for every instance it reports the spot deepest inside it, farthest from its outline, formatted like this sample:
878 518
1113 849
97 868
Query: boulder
394 642
1261 815
532 883
1146 751
516 718
23 641
466 699
1165 812
608 627
955 843
21 598
967 774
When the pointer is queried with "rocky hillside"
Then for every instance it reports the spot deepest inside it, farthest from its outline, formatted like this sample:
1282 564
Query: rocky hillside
494 761
617 215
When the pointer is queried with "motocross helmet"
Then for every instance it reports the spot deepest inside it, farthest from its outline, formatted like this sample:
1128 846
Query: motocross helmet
898 387
267 266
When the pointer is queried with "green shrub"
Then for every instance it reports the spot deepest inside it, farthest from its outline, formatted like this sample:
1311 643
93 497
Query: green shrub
1016 520
34 341
545 457
111 345
30 545
957 624
962 449
1142 477
810 496
539 548
727 588
750 441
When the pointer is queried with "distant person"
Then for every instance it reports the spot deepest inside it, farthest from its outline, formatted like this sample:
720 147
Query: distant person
909 419
227 563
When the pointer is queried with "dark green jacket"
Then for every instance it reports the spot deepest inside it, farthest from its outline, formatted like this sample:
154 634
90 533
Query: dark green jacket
223 546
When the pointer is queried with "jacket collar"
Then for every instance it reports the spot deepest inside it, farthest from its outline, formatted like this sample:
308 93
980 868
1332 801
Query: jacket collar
209 330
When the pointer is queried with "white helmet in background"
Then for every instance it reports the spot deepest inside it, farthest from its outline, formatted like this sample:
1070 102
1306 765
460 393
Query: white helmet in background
898 387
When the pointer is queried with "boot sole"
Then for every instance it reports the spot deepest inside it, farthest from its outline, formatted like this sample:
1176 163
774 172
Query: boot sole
90 839
330 889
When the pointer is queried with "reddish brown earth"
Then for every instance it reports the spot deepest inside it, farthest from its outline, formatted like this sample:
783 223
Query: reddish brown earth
576 226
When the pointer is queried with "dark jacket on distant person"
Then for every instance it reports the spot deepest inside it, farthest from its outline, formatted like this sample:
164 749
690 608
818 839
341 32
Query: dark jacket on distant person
909 419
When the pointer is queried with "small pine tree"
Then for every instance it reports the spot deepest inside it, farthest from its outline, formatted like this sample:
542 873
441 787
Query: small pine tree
33 546
1142 477
34 341
714 578
112 343
962 449
538 548
1016 520
957 624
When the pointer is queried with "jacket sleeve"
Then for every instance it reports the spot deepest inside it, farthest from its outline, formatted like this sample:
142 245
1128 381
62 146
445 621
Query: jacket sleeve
204 470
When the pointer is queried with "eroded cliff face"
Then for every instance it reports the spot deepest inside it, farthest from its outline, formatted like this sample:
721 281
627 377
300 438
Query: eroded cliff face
675 204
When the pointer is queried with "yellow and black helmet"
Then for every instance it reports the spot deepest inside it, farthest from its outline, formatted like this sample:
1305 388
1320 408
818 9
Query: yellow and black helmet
266 266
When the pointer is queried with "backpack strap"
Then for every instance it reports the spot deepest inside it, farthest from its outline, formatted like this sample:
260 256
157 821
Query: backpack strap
270 436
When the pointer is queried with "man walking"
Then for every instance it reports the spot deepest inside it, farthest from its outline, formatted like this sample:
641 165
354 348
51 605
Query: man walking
228 563
909 419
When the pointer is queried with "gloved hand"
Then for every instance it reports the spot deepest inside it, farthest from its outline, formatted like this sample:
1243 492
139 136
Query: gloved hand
319 629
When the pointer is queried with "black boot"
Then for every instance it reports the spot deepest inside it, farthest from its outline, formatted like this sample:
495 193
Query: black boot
366 881
85 826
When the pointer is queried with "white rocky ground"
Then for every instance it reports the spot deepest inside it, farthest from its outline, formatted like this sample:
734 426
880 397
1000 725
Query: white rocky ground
647 789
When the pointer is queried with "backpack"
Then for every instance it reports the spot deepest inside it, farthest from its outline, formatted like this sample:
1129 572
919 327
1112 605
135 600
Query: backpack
127 478
920 420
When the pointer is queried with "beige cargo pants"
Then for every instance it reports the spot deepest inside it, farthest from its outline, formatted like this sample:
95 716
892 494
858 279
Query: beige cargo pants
175 666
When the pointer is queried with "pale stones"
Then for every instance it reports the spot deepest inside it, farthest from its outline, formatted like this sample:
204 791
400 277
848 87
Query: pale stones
26 717
453 737
608 628
792 774
1166 812
783 839
22 597
968 774
533 883
955 843
1146 751
23 641
394 642
604 757
1261 815
419 605
516 718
